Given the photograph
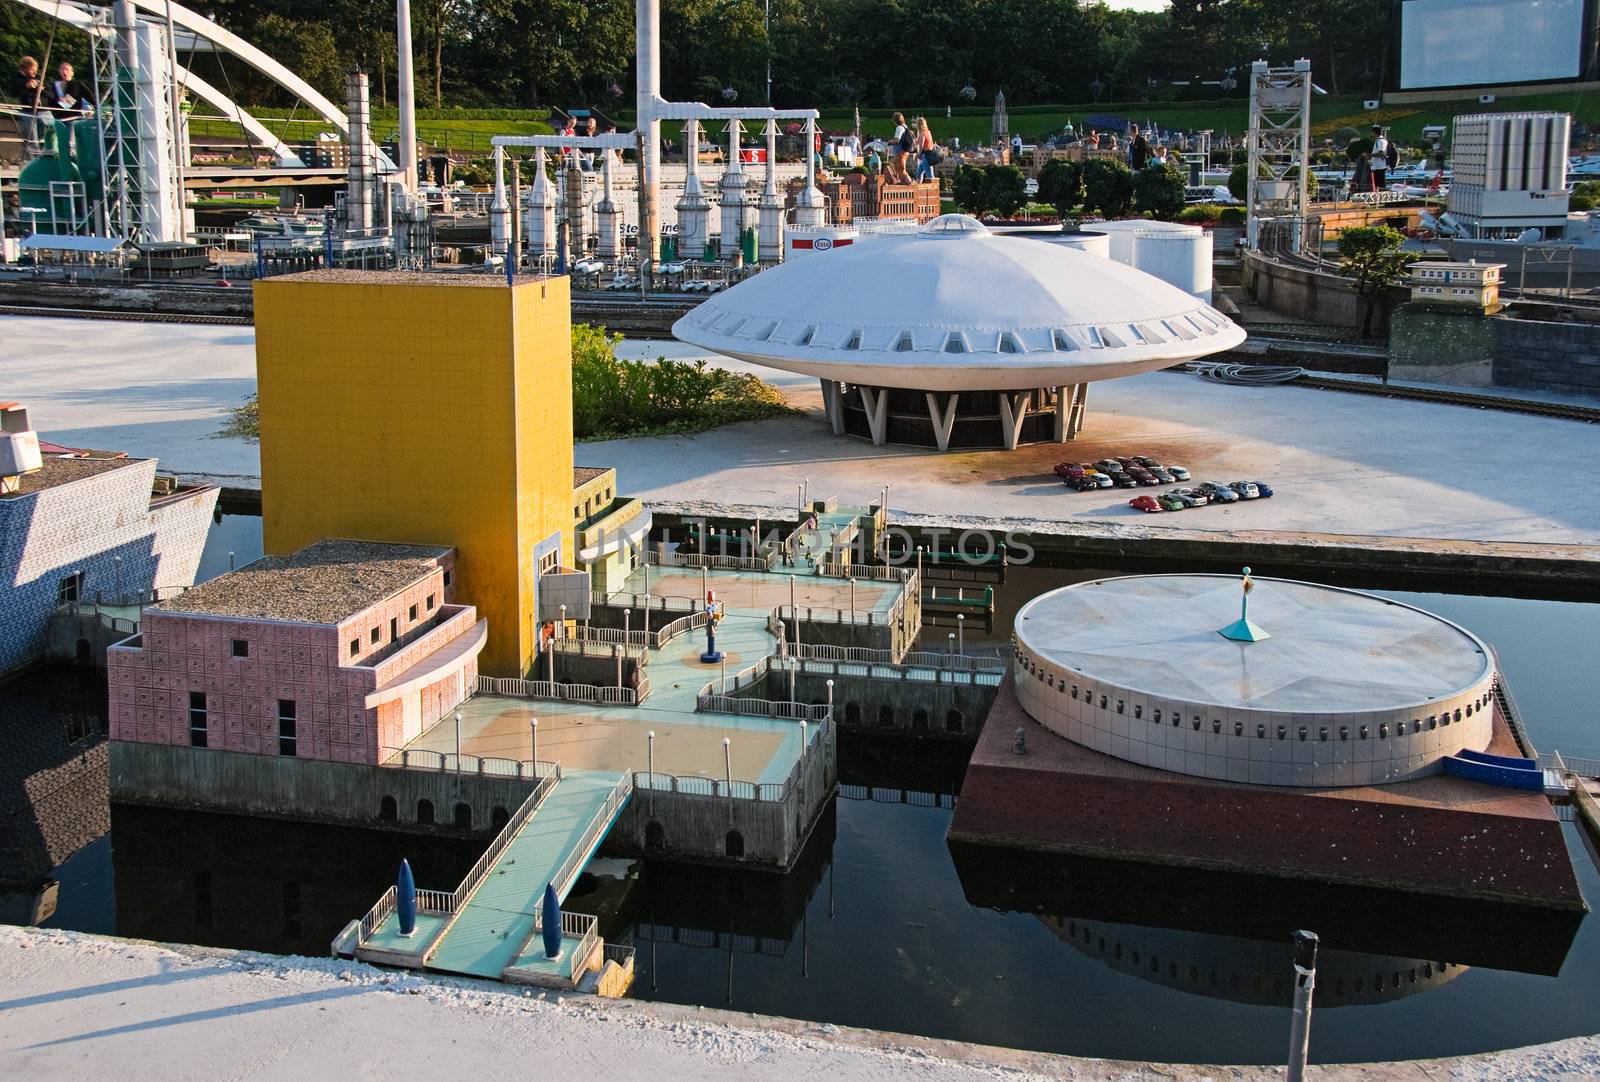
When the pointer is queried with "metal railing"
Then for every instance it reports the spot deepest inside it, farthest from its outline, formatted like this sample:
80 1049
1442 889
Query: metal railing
620 953
438 901
377 915
565 693
722 789
694 785
601 642
814 615
1567 764
597 825
427 759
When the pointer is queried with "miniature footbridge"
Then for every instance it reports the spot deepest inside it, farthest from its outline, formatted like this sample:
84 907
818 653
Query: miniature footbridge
491 925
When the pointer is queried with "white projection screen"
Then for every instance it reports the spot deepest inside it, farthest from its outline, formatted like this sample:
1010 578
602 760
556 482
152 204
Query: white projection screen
1451 43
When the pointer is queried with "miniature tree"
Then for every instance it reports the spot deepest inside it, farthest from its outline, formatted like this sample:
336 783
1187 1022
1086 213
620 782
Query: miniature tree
1005 189
1160 190
1371 255
1061 185
969 191
1107 186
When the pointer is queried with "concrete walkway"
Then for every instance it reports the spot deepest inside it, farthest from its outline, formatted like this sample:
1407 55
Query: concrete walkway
71 1004
1341 463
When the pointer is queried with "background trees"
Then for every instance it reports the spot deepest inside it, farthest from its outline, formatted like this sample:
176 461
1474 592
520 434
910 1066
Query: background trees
874 53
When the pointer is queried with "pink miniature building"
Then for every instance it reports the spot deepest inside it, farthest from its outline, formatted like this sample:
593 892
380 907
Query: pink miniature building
345 650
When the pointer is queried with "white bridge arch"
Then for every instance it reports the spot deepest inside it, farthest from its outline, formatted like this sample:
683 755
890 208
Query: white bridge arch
95 20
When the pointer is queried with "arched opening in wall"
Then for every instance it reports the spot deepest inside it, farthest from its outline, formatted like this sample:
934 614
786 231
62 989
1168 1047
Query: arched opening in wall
852 713
733 845
886 715
463 816
84 651
655 837
425 812
388 809
499 817
953 721
919 719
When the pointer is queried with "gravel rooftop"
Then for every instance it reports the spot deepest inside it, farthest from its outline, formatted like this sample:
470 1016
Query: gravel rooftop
322 583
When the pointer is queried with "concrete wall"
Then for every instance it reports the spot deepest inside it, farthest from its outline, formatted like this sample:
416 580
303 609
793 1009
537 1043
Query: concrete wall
1315 295
693 827
319 791
874 703
1472 350
696 828
1537 355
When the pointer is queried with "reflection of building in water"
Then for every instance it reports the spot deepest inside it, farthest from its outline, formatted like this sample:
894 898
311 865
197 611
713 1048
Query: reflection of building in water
1247 970
1202 929
261 884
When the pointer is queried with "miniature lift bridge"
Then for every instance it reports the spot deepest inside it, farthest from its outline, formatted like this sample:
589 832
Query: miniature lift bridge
491 925
126 167
1279 142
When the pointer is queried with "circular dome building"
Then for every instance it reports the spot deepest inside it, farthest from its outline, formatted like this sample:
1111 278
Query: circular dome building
1344 688
956 337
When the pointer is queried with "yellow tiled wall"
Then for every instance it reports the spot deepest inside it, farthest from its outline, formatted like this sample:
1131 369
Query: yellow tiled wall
409 409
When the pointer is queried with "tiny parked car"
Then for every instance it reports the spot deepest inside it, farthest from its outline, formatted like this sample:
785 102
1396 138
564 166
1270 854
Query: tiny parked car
1108 465
1148 504
1188 498
1101 480
1247 490
1124 480
1171 502
1142 475
1262 489
1065 470
1178 473
1161 474
1086 483
1217 493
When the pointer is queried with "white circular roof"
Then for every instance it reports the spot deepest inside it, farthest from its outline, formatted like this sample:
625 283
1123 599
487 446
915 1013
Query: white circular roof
1330 651
955 307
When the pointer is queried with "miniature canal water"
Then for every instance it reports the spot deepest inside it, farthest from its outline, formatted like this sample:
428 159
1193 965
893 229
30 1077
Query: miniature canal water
883 925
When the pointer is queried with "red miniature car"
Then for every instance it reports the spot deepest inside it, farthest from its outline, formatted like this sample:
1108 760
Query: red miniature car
1146 504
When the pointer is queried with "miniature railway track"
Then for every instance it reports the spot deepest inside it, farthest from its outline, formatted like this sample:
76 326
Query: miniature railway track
1562 410
124 316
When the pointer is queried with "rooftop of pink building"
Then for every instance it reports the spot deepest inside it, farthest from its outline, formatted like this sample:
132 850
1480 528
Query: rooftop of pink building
323 583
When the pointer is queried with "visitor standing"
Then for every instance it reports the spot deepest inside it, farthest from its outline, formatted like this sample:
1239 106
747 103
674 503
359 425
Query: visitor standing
1138 149
927 155
1378 160
26 90
905 142
1016 149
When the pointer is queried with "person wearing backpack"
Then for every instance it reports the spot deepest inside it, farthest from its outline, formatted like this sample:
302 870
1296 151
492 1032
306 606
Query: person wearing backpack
900 147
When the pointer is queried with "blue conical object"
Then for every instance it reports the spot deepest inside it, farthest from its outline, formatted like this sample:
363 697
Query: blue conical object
552 922
405 899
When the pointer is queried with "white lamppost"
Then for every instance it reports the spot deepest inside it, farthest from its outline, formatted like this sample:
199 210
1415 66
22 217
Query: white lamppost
533 733
727 764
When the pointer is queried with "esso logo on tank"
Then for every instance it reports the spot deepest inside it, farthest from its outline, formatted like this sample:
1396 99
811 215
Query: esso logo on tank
822 244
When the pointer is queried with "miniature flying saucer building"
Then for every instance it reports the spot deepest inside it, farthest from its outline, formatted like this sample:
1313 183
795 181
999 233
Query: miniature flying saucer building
1348 689
957 337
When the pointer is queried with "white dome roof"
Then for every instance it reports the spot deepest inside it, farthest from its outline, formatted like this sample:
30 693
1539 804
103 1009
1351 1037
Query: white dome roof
955 307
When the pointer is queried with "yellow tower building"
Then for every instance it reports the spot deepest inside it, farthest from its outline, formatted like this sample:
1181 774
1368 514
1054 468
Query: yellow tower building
425 409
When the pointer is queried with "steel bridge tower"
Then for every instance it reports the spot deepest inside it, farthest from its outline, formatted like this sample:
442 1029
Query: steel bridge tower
1279 143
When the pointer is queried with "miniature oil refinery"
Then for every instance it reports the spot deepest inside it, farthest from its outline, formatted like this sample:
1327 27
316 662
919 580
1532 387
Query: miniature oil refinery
670 598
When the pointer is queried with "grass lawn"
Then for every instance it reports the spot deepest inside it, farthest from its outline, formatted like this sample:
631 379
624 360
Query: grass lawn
1329 114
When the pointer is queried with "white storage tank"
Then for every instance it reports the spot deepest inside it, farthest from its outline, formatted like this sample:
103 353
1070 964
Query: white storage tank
1121 234
1178 259
1092 243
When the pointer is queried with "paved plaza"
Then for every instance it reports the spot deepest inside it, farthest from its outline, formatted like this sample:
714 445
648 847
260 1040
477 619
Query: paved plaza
1340 463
